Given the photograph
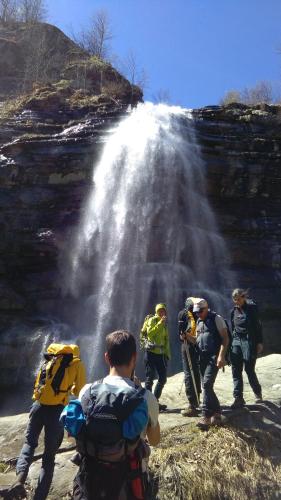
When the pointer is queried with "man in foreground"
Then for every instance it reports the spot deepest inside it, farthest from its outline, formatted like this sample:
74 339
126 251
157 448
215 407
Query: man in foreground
61 373
212 341
108 458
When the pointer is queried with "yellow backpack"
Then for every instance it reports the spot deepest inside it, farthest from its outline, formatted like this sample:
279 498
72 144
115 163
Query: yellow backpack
55 378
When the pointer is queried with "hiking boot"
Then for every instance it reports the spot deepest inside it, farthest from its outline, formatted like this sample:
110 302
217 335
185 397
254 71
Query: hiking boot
258 398
216 419
238 402
17 490
204 423
190 411
162 407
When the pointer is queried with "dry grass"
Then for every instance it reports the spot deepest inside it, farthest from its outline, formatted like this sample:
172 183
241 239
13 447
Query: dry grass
10 107
220 464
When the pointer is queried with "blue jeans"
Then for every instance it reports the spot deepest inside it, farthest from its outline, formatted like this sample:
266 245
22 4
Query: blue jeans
208 372
189 387
155 364
48 417
237 364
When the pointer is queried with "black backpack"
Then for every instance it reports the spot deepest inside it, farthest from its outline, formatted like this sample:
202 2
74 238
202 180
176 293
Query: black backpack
110 444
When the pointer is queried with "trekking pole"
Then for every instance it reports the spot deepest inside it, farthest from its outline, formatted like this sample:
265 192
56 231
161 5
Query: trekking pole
186 348
181 386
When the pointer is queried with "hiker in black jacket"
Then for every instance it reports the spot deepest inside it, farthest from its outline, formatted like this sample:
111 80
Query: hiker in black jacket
189 354
247 343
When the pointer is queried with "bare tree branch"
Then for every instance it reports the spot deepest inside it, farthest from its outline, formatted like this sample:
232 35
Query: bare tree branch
8 11
129 67
32 11
162 96
260 93
96 38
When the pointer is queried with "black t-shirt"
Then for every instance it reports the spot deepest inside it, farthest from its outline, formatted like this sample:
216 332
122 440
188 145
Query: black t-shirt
245 322
184 322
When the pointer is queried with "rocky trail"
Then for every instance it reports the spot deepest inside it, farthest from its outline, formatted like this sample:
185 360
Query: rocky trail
250 438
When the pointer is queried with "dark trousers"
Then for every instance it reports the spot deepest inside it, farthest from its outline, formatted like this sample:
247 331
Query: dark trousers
155 364
237 364
48 417
189 386
208 372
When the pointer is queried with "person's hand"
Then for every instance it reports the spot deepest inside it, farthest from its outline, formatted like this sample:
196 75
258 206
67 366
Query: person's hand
259 348
190 338
220 361
183 336
163 319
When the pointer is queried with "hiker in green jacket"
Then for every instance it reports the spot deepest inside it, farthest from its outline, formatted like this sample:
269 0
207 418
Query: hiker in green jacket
155 340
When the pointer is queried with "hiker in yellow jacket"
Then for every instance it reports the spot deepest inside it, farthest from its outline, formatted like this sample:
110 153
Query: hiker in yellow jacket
80 376
61 374
157 350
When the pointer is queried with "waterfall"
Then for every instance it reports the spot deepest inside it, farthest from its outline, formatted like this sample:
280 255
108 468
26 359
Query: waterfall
147 233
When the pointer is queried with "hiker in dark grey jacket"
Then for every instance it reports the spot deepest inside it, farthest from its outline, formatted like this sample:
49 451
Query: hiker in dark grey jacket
247 343
212 341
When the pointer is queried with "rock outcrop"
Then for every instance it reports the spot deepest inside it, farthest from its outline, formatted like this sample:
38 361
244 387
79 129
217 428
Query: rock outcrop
42 53
256 428
46 162
58 104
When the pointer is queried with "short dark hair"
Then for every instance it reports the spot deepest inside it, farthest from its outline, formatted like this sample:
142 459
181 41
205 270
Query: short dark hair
120 347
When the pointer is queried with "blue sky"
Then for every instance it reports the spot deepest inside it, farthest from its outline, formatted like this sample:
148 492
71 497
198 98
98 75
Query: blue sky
195 49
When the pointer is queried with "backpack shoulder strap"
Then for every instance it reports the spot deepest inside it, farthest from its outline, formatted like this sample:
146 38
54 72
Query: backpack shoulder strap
89 395
59 375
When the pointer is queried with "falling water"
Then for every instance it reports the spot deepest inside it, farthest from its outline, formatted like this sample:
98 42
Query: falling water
148 233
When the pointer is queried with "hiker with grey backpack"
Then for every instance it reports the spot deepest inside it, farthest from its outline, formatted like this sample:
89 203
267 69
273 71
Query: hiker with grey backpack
112 421
247 343
212 341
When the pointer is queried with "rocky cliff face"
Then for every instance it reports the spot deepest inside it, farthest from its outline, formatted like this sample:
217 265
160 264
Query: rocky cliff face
46 158
241 147
56 106
46 161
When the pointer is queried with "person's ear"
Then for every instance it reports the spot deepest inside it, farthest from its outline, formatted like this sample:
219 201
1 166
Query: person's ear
106 358
134 359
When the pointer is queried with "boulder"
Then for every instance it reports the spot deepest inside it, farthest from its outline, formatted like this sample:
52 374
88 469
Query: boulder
264 417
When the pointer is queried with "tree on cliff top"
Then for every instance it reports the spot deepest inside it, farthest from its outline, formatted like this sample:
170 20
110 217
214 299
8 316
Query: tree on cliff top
129 67
8 11
95 39
27 11
261 92
32 11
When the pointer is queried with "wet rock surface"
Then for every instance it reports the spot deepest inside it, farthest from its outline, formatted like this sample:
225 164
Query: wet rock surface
264 416
241 147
